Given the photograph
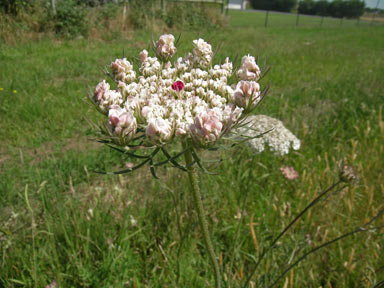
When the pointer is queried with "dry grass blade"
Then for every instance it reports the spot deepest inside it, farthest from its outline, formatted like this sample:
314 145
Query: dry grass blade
358 230
273 243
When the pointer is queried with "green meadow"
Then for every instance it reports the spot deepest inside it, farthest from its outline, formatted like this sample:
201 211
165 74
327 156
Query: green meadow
275 19
60 221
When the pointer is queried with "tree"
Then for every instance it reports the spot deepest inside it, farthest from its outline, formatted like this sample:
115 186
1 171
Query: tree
353 8
320 7
335 9
306 7
274 5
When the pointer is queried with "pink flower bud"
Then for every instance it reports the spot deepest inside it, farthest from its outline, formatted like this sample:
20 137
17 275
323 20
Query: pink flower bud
231 115
206 128
247 94
129 165
145 111
202 53
167 65
105 98
122 123
159 130
143 55
123 70
289 172
100 89
121 65
248 69
227 65
165 47
178 85
180 131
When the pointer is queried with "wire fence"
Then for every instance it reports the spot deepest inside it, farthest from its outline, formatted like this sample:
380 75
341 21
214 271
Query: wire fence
163 3
261 17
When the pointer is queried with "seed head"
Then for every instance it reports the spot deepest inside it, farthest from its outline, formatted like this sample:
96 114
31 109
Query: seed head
347 173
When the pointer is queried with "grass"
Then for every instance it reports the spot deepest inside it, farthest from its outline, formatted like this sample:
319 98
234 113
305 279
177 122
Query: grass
256 18
85 230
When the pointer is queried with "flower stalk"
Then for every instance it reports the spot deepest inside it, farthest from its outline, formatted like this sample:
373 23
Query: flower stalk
193 180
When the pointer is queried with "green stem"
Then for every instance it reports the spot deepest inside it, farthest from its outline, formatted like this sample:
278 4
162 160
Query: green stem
193 180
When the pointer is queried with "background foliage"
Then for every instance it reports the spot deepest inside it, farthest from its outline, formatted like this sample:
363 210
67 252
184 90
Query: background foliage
338 8
275 5
13 6
74 18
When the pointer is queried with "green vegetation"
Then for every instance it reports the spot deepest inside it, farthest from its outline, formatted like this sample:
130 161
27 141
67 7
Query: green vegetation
61 222
274 5
12 6
23 20
338 8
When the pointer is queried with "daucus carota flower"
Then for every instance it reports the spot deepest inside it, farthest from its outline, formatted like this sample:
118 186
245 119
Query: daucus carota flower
187 98
279 139
190 100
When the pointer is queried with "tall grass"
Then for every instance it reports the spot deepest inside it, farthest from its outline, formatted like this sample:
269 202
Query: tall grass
257 18
104 22
83 230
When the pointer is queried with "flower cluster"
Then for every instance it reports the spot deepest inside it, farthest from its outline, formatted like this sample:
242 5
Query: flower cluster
191 98
278 138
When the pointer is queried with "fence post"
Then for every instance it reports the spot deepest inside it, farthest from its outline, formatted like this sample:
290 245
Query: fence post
341 21
374 13
53 4
163 9
124 14
266 19
297 18
223 7
322 20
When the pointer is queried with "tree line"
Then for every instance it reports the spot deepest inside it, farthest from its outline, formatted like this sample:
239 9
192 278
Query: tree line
336 8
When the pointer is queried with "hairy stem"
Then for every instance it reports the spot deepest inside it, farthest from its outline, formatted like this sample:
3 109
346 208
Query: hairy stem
193 180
